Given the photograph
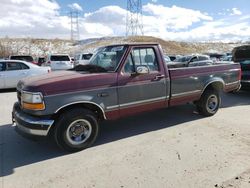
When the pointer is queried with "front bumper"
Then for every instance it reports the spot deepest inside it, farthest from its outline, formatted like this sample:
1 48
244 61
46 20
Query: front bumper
30 125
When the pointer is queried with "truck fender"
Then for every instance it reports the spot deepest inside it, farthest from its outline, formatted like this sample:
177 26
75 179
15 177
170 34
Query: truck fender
215 83
83 103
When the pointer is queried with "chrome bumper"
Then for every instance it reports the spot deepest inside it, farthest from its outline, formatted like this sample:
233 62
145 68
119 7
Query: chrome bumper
30 125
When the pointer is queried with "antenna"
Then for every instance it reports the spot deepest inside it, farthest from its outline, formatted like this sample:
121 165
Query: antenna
134 24
74 14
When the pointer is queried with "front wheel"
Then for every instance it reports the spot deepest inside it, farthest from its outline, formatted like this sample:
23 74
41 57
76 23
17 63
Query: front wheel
76 130
209 103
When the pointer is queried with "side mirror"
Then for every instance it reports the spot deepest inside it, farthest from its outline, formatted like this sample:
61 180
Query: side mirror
142 69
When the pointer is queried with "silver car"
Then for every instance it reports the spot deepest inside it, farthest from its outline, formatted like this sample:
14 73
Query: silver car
59 62
11 71
82 58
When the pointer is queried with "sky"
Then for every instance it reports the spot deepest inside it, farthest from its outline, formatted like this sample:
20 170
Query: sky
180 20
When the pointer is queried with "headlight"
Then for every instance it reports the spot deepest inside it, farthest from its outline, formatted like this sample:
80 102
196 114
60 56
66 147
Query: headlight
32 97
32 101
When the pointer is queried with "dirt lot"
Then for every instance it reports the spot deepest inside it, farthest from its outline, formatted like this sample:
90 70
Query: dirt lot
167 148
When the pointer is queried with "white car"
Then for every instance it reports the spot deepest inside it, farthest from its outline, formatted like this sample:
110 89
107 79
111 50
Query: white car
11 71
82 58
59 62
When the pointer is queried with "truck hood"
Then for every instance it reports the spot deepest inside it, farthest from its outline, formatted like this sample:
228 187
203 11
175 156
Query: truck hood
66 81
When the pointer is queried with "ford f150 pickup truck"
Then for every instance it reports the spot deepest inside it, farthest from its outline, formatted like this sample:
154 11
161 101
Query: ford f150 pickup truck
120 80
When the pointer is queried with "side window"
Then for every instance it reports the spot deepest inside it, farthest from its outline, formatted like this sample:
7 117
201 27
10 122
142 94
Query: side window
129 65
24 66
145 56
203 58
136 57
150 59
13 66
194 59
2 66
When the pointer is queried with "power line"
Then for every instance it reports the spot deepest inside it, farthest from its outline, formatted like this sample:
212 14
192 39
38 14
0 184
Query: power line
134 25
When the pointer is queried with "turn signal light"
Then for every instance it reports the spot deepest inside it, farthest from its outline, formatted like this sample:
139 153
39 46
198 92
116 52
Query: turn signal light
33 106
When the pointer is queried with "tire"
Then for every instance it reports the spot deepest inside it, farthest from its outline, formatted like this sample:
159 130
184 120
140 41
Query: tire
76 130
209 103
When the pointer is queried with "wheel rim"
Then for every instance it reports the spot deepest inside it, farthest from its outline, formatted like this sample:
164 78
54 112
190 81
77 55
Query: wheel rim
212 103
78 131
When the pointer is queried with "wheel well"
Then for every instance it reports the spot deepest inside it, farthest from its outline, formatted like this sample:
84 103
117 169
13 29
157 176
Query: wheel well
218 86
95 109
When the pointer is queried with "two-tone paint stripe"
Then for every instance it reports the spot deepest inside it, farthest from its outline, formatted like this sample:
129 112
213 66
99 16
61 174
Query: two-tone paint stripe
136 103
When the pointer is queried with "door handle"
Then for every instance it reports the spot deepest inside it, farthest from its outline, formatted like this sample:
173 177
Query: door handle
158 77
102 94
24 73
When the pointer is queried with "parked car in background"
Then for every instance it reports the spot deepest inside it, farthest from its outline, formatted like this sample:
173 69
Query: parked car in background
59 62
41 60
72 59
241 54
227 58
82 58
194 60
215 56
167 58
11 71
27 58
173 57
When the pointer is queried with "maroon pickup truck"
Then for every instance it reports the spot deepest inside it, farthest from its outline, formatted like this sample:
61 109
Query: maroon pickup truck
120 80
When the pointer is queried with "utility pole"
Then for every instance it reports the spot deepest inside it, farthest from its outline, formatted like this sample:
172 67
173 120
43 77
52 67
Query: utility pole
74 20
134 25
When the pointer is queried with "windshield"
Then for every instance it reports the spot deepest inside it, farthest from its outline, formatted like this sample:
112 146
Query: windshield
108 57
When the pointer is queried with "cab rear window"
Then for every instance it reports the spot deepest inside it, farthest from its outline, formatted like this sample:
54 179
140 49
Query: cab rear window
86 56
59 58
22 58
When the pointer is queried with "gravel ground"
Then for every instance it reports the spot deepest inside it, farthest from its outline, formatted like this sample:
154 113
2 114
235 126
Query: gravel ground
172 147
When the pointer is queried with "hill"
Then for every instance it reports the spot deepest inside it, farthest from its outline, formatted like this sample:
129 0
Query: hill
41 47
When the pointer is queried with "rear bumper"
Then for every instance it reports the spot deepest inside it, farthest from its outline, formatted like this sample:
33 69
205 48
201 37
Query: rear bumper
233 87
30 125
62 67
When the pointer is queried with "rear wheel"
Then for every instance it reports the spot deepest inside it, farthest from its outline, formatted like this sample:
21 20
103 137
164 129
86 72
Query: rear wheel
76 130
209 103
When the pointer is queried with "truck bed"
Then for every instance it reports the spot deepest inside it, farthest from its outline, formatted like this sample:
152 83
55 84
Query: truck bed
188 83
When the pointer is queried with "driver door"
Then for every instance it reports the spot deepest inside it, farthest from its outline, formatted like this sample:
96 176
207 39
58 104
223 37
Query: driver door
142 92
